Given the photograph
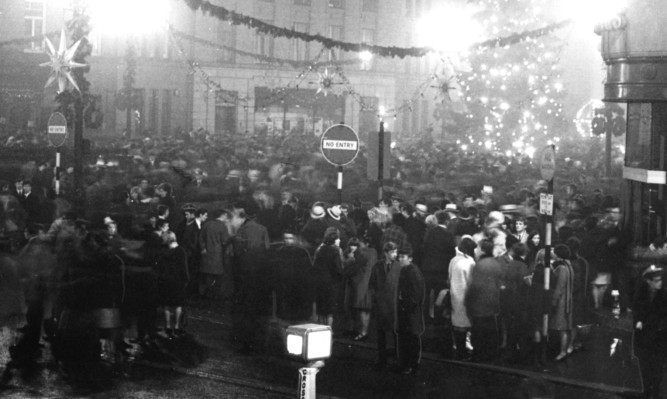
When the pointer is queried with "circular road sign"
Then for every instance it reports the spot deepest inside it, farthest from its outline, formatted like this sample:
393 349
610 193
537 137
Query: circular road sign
339 145
57 132
547 162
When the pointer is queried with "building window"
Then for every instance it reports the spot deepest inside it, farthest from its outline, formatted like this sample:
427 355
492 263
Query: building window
35 11
300 47
264 44
335 33
337 4
227 38
225 112
302 2
154 113
166 112
369 5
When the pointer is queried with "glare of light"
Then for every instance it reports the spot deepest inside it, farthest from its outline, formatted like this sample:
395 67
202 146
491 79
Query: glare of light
508 153
128 17
504 106
530 151
558 86
392 145
484 100
451 28
543 100
621 149
382 110
590 12
464 147
365 56
488 144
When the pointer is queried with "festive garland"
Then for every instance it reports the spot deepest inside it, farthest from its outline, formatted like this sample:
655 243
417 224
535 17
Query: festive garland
384 51
260 57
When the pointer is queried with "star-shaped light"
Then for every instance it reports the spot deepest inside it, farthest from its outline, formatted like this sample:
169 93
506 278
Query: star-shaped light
61 63
326 82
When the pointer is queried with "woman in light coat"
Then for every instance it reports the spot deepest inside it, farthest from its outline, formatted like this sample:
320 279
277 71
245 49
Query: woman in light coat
460 270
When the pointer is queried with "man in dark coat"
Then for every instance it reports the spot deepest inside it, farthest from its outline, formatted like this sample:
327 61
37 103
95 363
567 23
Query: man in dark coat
650 319
31 202
438 250
382 286
291 266
250 268
409 313
213 241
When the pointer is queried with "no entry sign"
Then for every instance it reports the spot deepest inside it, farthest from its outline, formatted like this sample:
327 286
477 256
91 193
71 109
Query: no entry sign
57 132
339 145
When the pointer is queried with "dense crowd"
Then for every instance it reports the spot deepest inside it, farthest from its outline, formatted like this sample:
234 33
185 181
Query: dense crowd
252 222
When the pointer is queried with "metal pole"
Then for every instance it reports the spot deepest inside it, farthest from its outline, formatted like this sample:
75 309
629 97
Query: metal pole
607 147
381 161
547 271
57 172
79 193
307 380
340 184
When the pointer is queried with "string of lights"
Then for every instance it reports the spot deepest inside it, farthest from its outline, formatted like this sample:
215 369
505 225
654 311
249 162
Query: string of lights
235 18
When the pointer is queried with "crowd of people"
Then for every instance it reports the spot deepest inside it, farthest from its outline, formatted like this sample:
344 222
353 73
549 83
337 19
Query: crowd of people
168 222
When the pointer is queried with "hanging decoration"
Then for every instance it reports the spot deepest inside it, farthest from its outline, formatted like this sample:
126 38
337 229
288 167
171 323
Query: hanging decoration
62 63
326 82
260 57
235 18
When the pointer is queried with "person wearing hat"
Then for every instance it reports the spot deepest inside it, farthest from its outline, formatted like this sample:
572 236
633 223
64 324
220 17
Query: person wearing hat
560 319
650 329
409 313
334 218
313 230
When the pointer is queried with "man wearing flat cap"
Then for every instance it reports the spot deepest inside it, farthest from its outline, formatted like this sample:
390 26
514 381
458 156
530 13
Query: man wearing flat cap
650 323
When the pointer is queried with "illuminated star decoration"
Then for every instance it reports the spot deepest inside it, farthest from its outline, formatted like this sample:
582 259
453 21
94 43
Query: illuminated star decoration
61 63
326 82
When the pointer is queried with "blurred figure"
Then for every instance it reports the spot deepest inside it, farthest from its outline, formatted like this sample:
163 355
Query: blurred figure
409 313
383 285
460 271
172 280
357 269
213 240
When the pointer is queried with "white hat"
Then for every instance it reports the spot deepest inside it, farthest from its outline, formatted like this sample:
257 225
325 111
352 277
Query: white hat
421 208
334 212
317 211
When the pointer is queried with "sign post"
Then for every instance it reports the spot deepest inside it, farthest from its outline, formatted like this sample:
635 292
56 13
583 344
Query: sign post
57 133
379 157
547 162
340 146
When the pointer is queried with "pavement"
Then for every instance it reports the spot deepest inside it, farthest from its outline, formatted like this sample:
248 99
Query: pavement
209 354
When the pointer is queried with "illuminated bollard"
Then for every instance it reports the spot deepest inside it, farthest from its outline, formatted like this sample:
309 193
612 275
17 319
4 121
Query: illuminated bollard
310 344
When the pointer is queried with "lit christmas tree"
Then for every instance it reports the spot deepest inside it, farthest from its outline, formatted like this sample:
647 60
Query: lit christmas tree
512 93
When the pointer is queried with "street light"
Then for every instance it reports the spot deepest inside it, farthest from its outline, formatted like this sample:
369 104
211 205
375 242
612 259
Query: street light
309 344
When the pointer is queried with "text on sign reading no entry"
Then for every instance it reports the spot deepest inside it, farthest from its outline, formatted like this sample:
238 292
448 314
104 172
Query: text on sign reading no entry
339 145
57 129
